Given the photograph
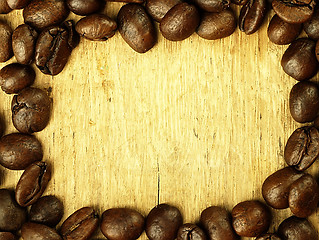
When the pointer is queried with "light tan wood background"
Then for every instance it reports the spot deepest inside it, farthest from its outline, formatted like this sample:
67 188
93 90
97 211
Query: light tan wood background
193 123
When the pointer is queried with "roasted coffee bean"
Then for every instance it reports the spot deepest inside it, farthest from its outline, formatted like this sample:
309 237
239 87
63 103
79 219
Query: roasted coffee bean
80 225
85 7
15 77
239 2
163 222
4 7
180 22
158 8
24 39
32 183
276 187
18 4
7 236
40 14
98 27
47 210
294 228
311 27
281 32
18 151
12 216
252 15
216 221
34 231
299 60
251 218
31 110
122 224
191 231
212 5
268 236
5 39
217 25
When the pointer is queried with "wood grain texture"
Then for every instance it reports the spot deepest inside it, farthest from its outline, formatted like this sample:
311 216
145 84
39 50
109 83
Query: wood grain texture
193 123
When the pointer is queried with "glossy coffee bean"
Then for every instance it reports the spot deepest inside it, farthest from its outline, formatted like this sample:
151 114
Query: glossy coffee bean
18 4
268 236
216 221
80 225
299 60
180 22
281 32
31 110
15 77
294 228
7 236
12 216
24 39
217 25
122 224
35 231
163 222
251 218
212 5
18 151
85 7
158 8
98 27
136 27
40 14
311 27
47 210
4 7
191 231
5 39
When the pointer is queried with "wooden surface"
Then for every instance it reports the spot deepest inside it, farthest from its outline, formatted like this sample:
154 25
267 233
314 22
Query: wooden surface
193 123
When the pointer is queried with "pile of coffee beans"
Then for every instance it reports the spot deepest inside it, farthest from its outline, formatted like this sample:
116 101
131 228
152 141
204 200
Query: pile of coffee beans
47 40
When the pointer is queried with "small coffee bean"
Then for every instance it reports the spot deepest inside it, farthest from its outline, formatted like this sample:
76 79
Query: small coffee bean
47 210
268 236
311 27
251 218
216 221
158 8
190 231
212 5
18 4
5 39
34 231
80 225
24 39
15 77
180 22
98 27
4 7
7 236
281 32
163 222
122 224
217 25
12 216
85 7
18 151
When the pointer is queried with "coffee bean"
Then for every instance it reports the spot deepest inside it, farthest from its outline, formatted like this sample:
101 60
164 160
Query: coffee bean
5 39
18 151
311 27
190 231
40 14
12 216
98 27
4 7
24 39
180 22
212 5
85 7
294 228
7 236
252 15
158 8
18 4
281 32
251 218
239 2
34 231
163 222
122 224
268 236
31 110
47 210
80 225
15 77
217 25
276 187
216 221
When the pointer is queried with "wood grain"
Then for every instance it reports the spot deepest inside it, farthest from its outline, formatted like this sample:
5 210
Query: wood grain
193 123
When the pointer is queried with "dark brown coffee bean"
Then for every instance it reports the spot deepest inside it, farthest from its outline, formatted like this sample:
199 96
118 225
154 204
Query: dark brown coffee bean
47 210
163 222
294 228
7 236
12 216
190 231
252 15
281 32
24 39
85 7
251 218
15 77
34 231
268 236
122 224
311 27
217 25
98 27
18 151
276 187
180 22
4 7
5 39
216 221
212 5
18 4
80 225
158 8
40 14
